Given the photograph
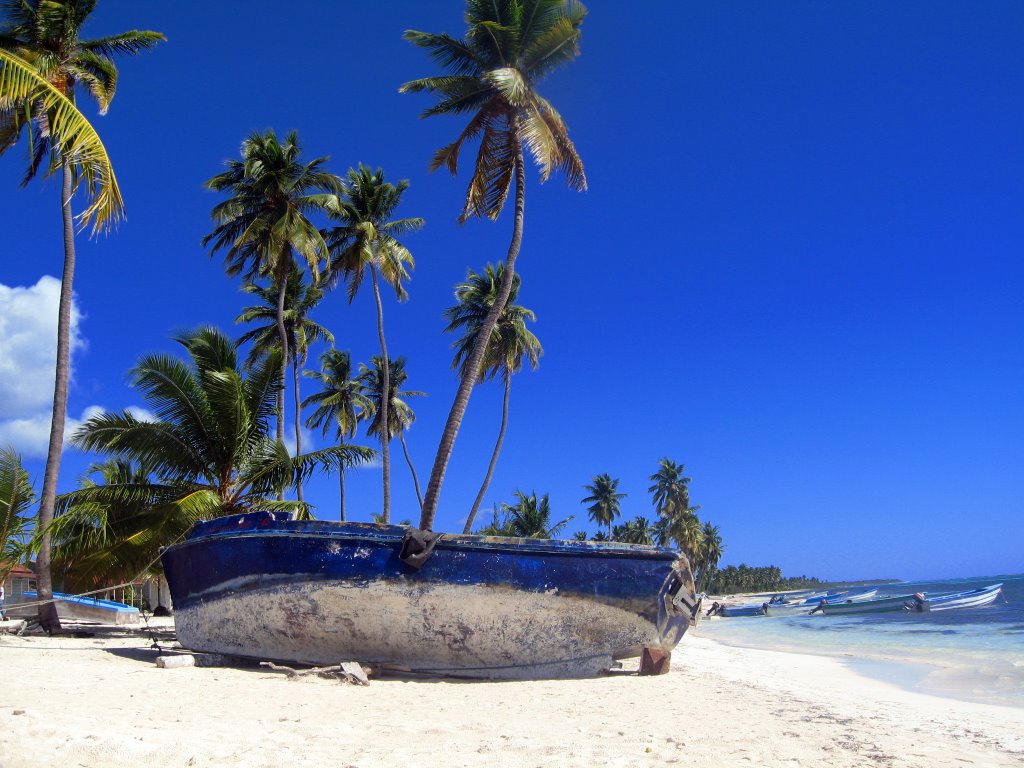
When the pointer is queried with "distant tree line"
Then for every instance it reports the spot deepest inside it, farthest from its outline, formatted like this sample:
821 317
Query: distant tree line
746 578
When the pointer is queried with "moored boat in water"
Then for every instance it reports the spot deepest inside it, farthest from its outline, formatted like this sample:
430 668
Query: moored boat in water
877 605
975 598
264 586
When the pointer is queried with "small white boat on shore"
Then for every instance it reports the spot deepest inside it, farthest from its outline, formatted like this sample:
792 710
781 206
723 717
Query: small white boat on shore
975 598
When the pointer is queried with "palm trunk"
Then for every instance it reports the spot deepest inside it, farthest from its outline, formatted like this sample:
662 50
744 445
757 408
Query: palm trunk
408 460
282 333
298 420
472 368
47 612
494 456
341 491
385 397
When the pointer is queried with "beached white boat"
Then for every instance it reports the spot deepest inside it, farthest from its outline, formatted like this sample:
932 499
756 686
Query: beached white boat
975 598
263 586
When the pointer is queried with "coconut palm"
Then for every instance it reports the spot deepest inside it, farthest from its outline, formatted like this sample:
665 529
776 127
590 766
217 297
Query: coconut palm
511 343
264 224
400 416
106 541
605 498
492 74
44 34
340 405
670 490
300 299
636 531
684 530
210 447
28 98
711 551
367 240
530 517
16 498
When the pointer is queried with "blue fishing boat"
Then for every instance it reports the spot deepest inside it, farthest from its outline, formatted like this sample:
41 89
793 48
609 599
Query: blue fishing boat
264 586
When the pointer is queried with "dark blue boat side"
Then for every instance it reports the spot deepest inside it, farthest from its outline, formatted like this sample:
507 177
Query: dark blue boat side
265 586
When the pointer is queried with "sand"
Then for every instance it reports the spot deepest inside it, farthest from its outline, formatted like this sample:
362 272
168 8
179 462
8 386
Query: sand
102 701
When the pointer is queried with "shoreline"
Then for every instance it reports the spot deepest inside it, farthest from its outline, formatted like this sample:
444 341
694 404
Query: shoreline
101 701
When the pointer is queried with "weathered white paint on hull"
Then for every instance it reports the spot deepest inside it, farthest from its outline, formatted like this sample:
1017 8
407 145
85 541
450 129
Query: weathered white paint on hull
473 630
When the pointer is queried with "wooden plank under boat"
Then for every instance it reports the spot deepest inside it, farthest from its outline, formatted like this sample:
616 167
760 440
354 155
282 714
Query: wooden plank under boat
263 586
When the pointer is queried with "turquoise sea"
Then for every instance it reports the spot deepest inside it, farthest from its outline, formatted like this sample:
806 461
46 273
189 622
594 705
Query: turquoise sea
975 654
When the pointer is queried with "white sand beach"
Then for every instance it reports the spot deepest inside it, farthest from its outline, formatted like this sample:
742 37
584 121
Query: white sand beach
102 701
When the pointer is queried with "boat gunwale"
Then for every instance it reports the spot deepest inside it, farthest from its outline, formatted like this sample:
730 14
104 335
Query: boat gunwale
454 542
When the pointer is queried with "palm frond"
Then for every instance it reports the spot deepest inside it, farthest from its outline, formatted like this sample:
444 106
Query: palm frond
78 140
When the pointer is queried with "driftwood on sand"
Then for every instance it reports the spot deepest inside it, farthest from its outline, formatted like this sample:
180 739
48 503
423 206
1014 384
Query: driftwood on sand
346 670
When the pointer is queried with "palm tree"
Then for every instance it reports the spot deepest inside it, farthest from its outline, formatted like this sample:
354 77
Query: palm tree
636 531
21 87
641 531
671 495
367 239
44 34
509 47
684 530
264 223
340 404
300 299
210 448
605 497
511 342
101 542
400 416
530 517
711 551
670 490
16 498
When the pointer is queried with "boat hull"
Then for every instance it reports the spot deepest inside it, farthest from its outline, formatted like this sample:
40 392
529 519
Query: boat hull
977 598
881 605
261 586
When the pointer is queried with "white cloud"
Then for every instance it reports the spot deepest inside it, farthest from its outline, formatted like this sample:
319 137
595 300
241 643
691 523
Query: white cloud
28 338
30 436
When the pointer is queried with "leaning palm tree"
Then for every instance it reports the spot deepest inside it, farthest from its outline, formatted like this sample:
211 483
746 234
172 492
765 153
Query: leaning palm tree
530 517
604 500
511 342
264 224
302 331
492 74
340 405
16 498
399 415
44 34
367 241
210 448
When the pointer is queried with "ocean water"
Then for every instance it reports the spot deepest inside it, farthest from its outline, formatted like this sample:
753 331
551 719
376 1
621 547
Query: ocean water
975 654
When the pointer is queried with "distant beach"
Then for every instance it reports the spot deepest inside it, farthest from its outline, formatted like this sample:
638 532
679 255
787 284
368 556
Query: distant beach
102 701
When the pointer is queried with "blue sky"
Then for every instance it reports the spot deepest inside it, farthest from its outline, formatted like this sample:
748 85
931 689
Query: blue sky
797 269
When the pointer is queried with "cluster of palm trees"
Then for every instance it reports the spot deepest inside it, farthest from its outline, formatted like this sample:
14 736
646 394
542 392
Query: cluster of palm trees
677 522
746 578
267 229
